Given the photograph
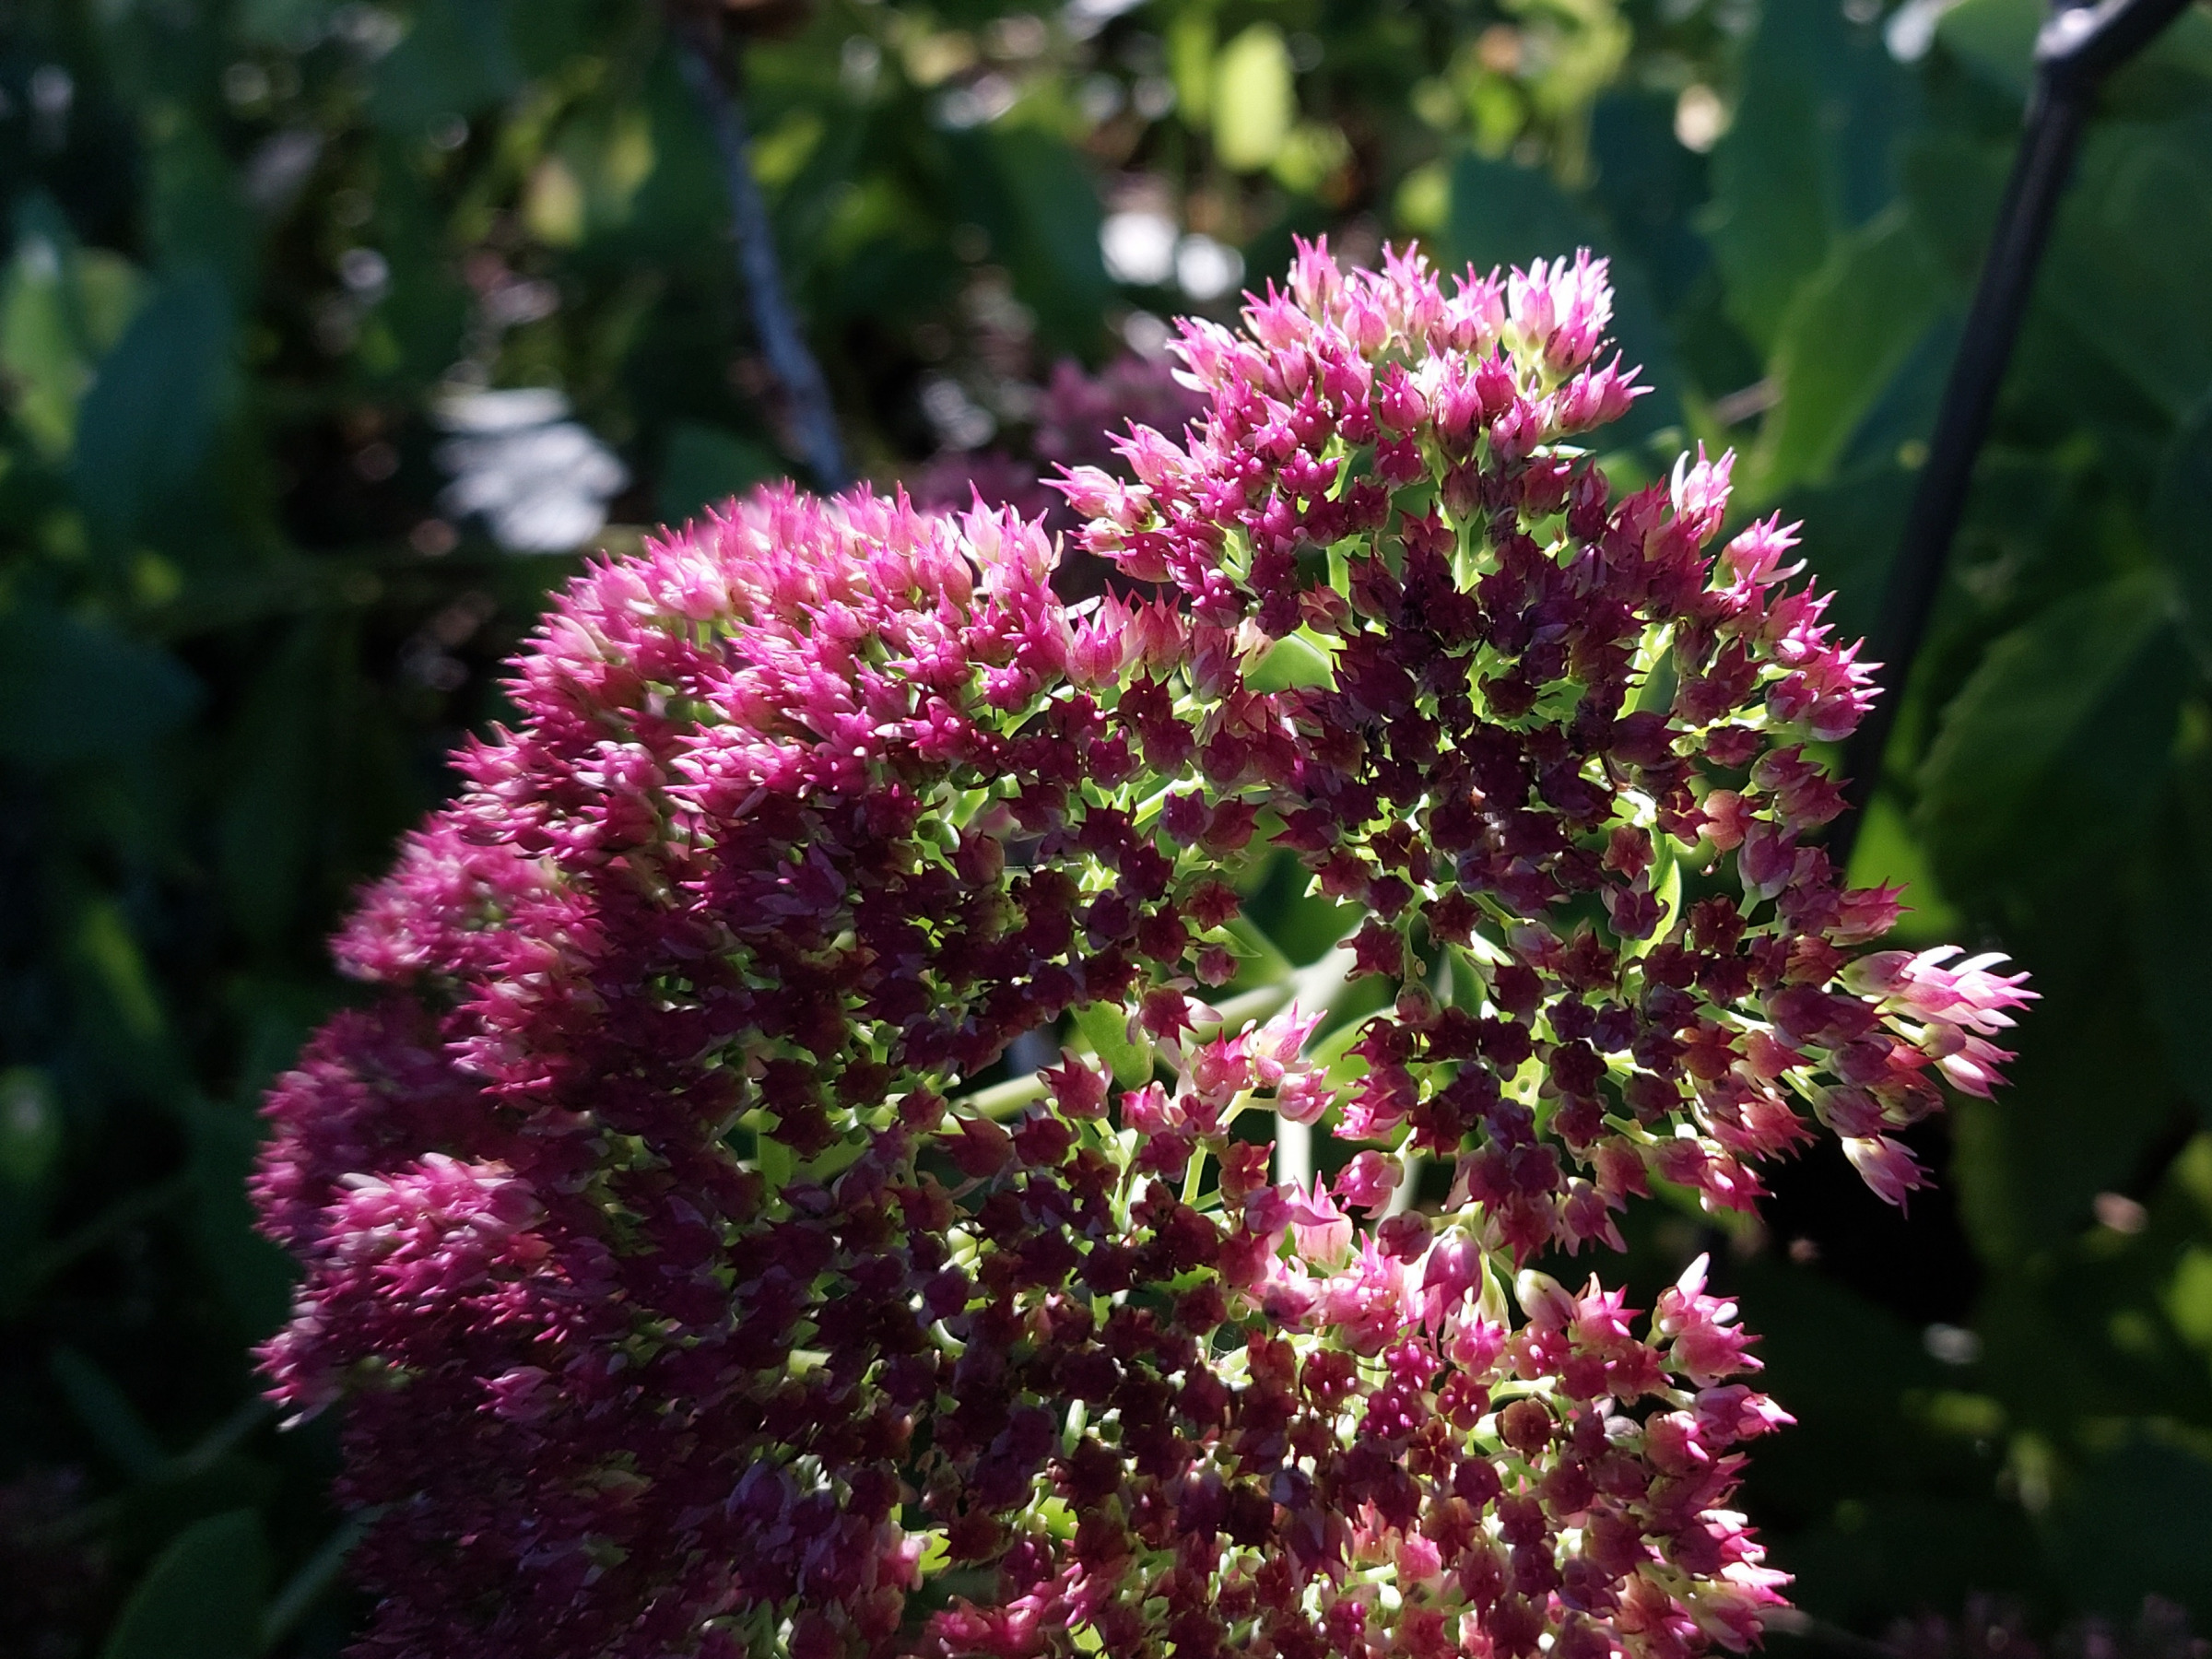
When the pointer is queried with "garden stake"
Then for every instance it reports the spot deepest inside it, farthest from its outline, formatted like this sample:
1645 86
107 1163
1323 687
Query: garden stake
2076 49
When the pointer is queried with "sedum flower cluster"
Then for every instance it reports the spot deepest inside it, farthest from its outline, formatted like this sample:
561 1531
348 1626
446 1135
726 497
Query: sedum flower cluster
1076 420
699 1278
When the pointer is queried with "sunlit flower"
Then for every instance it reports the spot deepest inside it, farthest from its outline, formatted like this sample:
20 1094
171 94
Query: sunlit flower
698 1280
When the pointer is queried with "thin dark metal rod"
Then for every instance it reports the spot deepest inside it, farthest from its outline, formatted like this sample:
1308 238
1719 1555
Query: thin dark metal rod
811 419
2077 47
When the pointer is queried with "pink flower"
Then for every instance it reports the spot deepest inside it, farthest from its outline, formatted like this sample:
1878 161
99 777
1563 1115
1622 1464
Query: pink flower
1921 987
1887 1166
1367 1181
1371 1301
1706 1345
704 1263
1322 1232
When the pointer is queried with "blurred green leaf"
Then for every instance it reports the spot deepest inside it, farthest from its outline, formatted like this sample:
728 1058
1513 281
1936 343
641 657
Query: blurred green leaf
1888 851
2134 1524
1955 183
281 22
150 417
2172 76
199 216
118 995
1049 210
30 1128
1650 188
1190 53
1253 103
61 307
202 1598
74 690
1995 38
2172 910
1848 533
678 208
282 742
2029 1166
107 1412
455 61
588 184
2066 723
312 1582
1851 327
181 1496
1503 214
30 1147
2189 1298
705 465
1807 157
2181 518
2131 259
256 1277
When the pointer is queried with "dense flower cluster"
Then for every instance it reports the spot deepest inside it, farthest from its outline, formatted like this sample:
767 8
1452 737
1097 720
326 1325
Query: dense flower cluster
697 1281
1078 417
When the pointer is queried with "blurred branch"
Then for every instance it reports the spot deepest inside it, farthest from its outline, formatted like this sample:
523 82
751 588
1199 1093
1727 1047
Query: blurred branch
2077 47
711 69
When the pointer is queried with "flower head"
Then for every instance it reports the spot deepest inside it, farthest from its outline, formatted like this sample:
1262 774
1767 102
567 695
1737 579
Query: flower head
697 1282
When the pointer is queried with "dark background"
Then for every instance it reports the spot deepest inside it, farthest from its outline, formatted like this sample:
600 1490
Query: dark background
260 254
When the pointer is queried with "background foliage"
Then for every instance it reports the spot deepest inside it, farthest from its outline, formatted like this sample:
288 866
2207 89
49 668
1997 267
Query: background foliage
254 248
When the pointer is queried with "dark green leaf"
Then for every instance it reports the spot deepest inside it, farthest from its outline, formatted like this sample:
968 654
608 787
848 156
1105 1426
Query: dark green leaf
1996 40
30 1127
150 417
705 465
200 218
2172 76
1053 204
72 690
2058 743
2134 1525
202 1598
1955 181
281 22
681 210
281 746
1851 327
2173 912
1649 187
455 61
2181 520
1807 157
256 1277
2132 257
2029 1166
107 1413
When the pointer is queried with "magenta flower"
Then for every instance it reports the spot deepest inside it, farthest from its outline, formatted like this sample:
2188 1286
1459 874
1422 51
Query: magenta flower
697 1282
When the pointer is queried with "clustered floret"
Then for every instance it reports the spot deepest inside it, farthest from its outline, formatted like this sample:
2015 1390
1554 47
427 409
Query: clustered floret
697 1281
1076 420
